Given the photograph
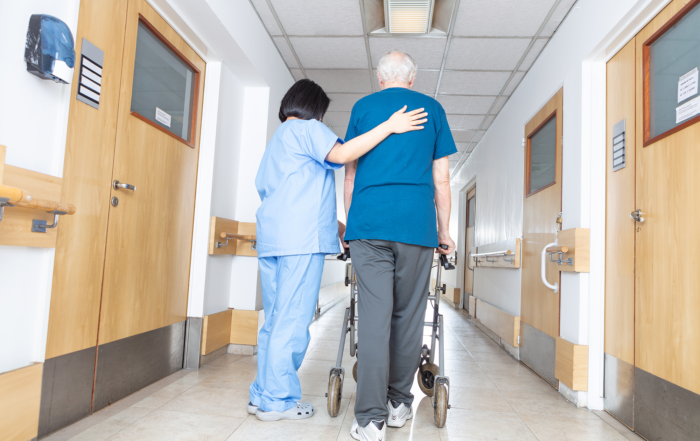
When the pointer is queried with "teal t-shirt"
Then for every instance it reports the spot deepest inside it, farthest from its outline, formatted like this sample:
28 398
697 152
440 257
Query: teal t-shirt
394 194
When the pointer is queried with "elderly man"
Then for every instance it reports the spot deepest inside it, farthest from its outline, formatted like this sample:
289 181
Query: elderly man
392 235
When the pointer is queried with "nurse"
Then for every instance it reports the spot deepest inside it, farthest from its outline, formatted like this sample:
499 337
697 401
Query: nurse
296 227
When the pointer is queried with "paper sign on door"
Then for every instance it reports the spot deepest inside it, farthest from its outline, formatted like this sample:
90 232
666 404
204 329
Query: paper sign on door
163 117
688 85
688 110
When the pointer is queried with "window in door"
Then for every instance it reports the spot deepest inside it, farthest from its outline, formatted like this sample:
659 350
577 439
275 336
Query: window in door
541 157
471 212
671 64
165 85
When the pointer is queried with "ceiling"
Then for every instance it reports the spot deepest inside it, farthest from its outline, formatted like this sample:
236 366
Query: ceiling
471 69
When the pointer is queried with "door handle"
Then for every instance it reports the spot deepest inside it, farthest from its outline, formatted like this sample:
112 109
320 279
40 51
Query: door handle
637 216
555 287
469 255
117 185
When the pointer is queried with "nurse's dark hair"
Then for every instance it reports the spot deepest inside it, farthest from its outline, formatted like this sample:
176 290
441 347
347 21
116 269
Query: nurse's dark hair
304 100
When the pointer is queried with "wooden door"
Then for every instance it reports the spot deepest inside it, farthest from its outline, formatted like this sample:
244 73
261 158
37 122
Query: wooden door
150 230
469 263
620 231
541 206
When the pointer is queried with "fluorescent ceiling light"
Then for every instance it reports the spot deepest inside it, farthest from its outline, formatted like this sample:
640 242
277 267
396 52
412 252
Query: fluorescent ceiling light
408 16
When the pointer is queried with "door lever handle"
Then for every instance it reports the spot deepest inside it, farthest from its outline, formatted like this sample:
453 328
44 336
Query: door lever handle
117 185
637 216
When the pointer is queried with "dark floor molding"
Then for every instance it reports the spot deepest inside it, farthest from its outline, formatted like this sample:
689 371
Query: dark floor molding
618 389
538 351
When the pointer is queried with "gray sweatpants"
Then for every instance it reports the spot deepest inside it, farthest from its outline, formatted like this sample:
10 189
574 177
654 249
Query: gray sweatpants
393 280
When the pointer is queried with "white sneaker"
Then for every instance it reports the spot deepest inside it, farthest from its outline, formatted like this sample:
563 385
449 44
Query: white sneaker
252 408
299 412
375 431
398 414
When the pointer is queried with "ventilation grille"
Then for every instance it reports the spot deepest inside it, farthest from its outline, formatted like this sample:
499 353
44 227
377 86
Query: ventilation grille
409 16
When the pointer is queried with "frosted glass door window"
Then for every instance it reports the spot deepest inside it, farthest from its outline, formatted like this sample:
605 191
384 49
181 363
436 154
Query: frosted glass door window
673 55
163 89
542 160
471 212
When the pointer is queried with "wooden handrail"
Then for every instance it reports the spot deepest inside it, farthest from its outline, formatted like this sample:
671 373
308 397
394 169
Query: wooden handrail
248 237
562 249
21 198
493 253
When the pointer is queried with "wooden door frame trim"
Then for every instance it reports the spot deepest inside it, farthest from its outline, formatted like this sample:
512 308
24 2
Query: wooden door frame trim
549 117
195 100
646 76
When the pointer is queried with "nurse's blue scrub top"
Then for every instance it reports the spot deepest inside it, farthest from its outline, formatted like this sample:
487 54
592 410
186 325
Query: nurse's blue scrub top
297 188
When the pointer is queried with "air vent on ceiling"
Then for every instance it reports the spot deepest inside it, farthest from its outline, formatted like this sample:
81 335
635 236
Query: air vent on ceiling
408 16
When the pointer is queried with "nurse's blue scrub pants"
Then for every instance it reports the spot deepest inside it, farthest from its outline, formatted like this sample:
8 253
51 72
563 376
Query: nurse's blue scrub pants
290 286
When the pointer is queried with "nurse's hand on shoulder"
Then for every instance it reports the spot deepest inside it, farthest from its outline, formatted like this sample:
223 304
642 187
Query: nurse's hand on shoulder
403 121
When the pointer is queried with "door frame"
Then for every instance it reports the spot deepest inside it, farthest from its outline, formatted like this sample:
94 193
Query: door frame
593 141
462 236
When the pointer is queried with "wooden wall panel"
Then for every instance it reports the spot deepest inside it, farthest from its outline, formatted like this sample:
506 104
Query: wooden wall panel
87 177
20 393
472 306
2 162
16 226
220 225
503 324
244 247
244 327
667 304
571 366
578 241
216 331
619 228
539 304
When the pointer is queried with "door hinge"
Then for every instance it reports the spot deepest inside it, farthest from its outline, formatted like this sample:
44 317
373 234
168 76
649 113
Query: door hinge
518 339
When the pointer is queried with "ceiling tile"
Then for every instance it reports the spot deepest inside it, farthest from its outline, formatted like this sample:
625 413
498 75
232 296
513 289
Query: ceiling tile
337 119
286 52
473 83
557 17
534 52
462 146
485 53
501 18
342 80
266 16
426 52
464 122
477 138
488 121
297 74
426 81
343 102
517 78
499 105
466 104
313 17
331 53
462 135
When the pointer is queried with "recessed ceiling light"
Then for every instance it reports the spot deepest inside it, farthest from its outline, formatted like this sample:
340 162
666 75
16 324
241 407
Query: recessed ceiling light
408 16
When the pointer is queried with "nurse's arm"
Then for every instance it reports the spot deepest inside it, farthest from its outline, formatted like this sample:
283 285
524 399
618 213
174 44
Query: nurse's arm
399 122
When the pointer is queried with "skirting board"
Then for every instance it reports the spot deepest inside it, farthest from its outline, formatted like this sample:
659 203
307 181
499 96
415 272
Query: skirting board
244 327
571 364
472 306
503 324
20 398
451 293
216 331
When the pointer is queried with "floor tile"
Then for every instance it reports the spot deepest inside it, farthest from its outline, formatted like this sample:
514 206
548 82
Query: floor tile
552 428
178 426
527 403
211 401
255 430
485 425
479 399
232 377
112 425
502 358
224 360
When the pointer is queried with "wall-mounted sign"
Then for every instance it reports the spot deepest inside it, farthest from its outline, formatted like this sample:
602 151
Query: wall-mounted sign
91 62
688 110
688 85
618 146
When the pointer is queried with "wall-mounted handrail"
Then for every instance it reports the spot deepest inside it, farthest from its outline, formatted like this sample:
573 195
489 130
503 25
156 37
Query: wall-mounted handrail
230 236
16 197
493 254
555 287
562 250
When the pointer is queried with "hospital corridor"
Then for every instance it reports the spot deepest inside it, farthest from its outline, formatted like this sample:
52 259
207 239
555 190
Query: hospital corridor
371 220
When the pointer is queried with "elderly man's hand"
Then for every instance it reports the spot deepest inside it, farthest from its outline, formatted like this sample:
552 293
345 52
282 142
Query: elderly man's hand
446 240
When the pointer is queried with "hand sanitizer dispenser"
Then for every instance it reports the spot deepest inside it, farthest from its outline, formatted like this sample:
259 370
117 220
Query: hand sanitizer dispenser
49 50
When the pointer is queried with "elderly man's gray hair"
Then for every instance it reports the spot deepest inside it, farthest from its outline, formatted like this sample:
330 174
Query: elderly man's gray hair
396 66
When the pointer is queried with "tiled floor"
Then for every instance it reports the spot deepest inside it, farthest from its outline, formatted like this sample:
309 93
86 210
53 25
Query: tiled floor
493 397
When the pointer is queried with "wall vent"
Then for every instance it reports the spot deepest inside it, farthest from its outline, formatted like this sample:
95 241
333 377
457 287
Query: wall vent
408 16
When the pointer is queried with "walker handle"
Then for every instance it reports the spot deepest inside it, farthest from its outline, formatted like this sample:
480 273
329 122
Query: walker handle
345 256
443 259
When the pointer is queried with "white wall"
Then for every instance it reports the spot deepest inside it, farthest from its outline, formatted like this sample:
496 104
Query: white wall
497 165
33 118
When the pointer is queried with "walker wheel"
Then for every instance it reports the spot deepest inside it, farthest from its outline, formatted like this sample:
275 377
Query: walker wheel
354 372
426 378
335 393
440 405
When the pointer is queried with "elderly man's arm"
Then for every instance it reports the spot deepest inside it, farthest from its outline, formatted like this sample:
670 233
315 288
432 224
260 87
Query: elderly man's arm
350 169
443 202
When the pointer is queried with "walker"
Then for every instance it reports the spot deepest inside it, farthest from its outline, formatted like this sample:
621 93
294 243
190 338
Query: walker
431 377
